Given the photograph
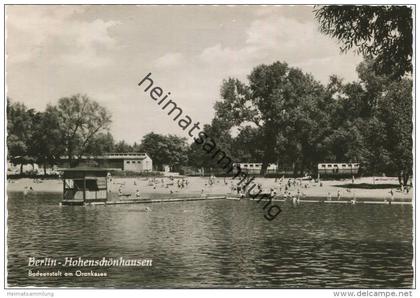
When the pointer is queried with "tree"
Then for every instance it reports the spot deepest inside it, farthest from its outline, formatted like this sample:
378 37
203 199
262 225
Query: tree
100 144
178 148
245 146
277 101
372 121
380 32
46 144
309 126
20 122
122 147
79 119
218 132
165 150
395 112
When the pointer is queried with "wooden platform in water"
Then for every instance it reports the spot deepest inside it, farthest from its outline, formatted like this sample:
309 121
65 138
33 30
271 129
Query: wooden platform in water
82 202
126 201
141 201
322 200
175 199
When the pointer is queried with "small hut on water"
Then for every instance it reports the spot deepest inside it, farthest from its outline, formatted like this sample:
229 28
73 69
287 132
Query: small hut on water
84 185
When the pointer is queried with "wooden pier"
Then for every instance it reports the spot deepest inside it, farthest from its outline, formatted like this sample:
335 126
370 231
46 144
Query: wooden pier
322 200
163 200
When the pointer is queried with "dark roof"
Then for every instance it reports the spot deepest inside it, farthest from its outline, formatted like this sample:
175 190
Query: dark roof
130 153
85 169
83 172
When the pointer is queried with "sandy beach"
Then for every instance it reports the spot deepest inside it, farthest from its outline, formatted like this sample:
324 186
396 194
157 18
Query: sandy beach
367 187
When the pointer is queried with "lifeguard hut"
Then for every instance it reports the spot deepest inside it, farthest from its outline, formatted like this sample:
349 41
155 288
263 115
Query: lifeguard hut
83 186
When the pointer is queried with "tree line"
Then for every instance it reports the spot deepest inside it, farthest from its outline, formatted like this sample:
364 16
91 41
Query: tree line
78 126
284 116
281 115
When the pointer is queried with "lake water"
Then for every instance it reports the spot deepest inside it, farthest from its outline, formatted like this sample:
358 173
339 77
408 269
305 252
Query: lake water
217 243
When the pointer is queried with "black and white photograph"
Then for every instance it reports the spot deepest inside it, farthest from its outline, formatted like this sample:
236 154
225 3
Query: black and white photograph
204 146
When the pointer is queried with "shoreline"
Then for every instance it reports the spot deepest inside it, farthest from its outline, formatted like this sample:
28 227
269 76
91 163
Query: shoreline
361 189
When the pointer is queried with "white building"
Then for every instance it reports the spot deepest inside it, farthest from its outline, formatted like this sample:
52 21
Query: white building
338 169
127 161
130 161
255 167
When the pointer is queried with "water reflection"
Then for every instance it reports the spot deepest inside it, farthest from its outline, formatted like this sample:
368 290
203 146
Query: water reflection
216 244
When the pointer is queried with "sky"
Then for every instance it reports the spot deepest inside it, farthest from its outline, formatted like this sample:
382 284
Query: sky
104 51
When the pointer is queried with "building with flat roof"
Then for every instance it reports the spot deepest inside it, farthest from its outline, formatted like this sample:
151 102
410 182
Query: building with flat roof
338 169
127 161
255 167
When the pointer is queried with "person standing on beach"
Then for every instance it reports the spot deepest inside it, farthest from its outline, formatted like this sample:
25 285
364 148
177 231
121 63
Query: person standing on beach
338 195
353 201
272 193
